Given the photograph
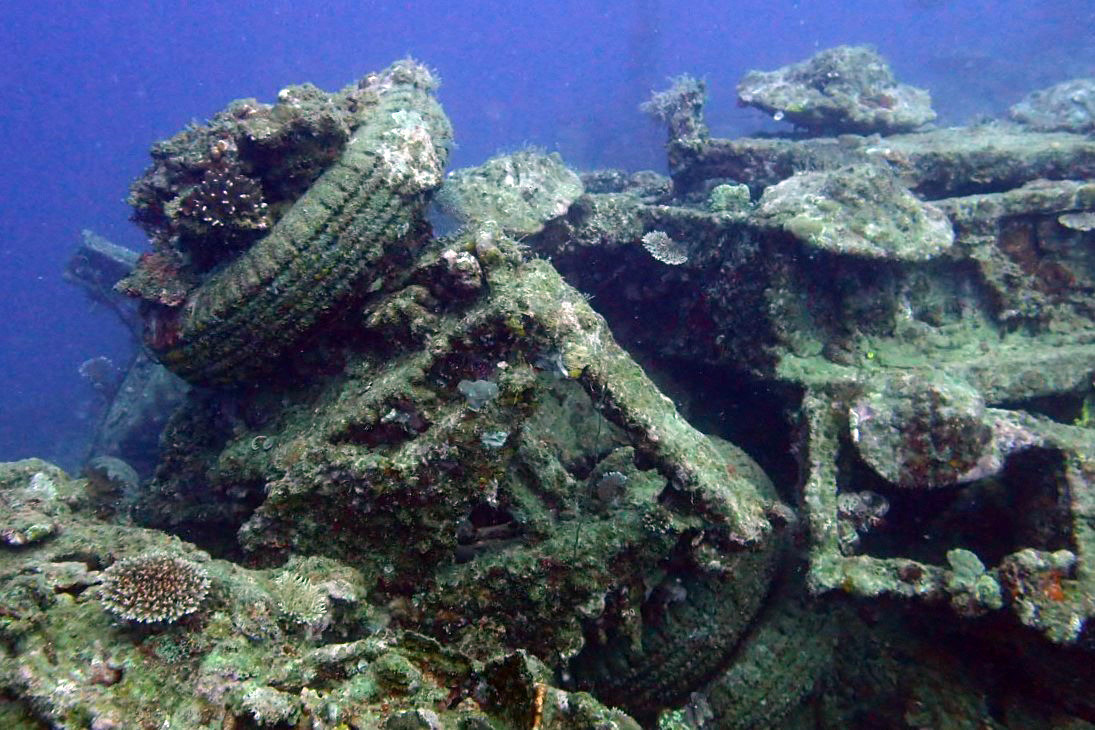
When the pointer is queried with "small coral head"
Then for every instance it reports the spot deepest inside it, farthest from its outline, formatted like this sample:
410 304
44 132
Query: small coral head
153 588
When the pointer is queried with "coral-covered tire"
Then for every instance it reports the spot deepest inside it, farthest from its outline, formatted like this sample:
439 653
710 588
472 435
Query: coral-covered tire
328 245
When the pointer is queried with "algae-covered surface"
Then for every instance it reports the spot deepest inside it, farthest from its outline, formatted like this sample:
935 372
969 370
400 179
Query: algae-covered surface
797 436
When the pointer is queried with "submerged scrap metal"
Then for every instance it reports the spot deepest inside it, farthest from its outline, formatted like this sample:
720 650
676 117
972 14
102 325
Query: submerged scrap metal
922 306
464 505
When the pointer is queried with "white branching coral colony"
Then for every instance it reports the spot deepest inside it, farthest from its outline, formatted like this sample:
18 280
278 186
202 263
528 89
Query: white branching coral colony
153 588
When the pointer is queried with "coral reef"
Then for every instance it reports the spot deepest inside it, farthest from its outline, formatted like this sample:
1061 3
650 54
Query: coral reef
665 249
280 148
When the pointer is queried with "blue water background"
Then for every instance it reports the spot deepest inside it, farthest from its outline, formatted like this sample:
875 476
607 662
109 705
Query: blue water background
86 87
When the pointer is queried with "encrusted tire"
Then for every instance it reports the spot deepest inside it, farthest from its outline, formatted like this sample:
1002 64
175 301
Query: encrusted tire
333 240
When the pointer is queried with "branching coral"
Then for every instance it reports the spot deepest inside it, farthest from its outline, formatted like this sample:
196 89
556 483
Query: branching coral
153 588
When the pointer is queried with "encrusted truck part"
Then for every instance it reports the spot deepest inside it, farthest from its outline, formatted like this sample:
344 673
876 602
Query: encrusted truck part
939 369
776 669
507 476
519 191
1068 106
936 163
693 618
842 89
1003 331
859 210
362 211
1029 250
1048 585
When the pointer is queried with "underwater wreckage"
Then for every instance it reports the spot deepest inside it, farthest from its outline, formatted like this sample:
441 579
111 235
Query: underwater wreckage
799 436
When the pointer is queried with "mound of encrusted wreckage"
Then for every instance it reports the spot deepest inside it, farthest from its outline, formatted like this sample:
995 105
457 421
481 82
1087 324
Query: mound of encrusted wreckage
910 316
440 495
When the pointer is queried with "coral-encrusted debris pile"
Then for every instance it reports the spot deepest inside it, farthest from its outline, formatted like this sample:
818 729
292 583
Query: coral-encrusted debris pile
252 251
459 493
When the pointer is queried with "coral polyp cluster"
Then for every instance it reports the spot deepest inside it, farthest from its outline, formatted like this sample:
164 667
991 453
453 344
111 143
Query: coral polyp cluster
225 211
153 588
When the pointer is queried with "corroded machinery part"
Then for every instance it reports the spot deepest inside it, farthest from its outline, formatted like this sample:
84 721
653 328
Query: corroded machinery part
842 89
509 476
920 430
691 621
1030 244
363 209
1043 570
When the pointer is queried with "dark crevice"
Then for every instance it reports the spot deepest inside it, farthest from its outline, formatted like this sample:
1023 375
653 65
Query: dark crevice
1064 408
1025 506
754 415
91 560
486 529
